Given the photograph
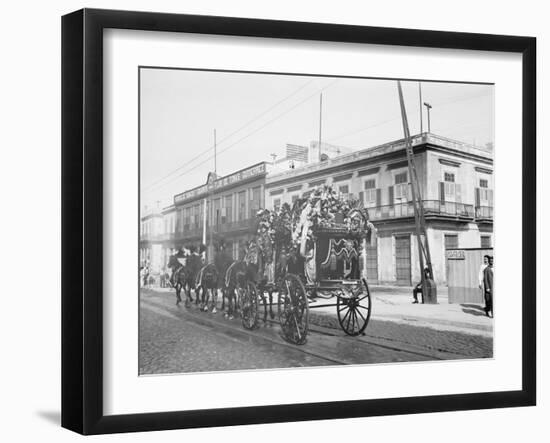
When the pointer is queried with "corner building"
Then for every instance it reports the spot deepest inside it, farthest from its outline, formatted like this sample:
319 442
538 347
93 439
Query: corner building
456 183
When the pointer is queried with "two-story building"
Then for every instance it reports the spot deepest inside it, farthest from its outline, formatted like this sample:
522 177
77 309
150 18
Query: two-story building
223 209
456 184
150 247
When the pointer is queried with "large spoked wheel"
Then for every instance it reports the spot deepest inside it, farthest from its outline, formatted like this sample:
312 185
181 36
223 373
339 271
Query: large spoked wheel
354 309
249 305
293 310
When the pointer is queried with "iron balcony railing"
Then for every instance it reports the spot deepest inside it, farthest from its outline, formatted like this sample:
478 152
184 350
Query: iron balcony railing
484 212
196 232
432 208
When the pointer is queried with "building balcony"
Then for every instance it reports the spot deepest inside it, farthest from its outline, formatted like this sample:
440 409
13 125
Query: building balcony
484 213
236 226
432 209
192 233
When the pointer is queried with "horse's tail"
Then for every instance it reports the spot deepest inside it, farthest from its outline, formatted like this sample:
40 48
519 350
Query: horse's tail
229 273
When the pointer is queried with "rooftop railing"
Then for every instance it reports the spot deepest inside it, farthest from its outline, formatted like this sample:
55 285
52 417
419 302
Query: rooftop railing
393 146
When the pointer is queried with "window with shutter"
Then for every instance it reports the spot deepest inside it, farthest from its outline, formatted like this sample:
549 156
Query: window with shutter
451 241
458 190
401 187
369 194
228 208
442 192
485 241
390 195
450 187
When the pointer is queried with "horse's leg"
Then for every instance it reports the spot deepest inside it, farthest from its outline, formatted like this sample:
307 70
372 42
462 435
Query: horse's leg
223 289
189 297
205 297
271 313
264 300
178 297
200 296
229 293
197 296
188 291
214 299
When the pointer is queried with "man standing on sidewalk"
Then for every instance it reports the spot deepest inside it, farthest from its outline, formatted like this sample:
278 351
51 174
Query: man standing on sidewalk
488 285
481 275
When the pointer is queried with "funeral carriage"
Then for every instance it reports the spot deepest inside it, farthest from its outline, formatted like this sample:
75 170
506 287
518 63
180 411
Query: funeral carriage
310 256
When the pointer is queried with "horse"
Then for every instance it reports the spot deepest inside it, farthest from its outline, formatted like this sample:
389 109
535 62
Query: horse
179 276
207 282
222 261
193 266
234 277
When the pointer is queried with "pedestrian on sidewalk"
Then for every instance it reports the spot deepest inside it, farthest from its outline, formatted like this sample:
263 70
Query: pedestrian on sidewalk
488 284
418 288
481 275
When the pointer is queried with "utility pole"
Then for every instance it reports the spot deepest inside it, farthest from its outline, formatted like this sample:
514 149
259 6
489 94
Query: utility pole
320 122
215 153
420 105
428 107
429 291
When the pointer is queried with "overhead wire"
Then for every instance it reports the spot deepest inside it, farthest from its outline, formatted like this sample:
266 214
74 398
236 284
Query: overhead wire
358 130
248 135
186 164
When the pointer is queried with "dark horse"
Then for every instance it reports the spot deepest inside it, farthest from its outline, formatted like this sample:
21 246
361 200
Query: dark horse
193 266
235 278
222 261
207 282
179 276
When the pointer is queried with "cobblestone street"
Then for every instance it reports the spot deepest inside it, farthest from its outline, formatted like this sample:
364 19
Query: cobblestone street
176 339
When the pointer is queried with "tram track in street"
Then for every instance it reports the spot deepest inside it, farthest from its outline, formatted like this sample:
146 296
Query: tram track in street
323 343
208 324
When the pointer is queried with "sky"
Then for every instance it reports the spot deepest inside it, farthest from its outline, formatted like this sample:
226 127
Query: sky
256 115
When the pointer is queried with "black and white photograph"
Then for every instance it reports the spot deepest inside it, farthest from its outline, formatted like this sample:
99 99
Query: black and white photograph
275 221
297 220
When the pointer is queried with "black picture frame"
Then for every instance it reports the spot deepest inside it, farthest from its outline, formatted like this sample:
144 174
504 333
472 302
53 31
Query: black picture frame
82 216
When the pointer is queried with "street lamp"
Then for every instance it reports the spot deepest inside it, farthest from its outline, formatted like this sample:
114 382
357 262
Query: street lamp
428 107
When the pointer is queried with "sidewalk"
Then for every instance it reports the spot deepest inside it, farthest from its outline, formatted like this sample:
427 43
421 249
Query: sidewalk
393 303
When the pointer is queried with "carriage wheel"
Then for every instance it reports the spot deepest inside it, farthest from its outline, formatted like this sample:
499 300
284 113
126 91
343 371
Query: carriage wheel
249 306
354 309
293 310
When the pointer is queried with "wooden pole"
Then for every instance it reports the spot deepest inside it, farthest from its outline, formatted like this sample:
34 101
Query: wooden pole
320 122
423 246
420 105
